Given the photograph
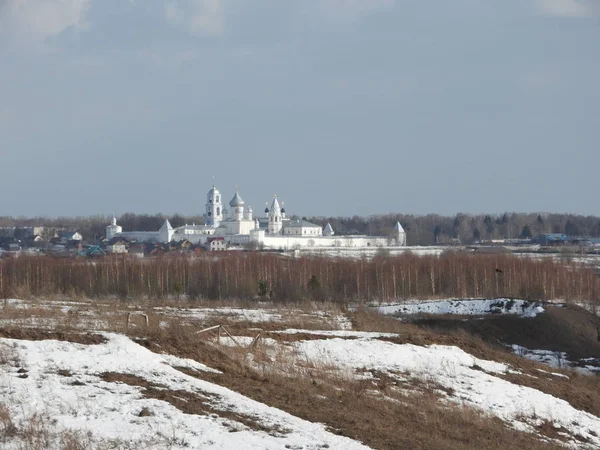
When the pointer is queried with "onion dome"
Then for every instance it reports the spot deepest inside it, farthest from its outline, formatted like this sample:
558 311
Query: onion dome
236 201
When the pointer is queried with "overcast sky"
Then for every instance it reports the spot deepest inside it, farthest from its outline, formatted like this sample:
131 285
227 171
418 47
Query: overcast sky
340 107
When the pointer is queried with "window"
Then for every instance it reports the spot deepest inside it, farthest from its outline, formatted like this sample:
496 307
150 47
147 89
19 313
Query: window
218 211
217 199
209 213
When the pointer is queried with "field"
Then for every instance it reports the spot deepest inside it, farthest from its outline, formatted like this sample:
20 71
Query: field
112 374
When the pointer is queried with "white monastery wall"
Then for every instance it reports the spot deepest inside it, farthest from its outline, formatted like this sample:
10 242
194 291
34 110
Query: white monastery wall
290 243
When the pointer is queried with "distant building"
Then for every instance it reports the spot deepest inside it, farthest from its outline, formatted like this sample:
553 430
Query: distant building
550 239
215 244
117 246
303 228
165 234
239 227
70 236
136 250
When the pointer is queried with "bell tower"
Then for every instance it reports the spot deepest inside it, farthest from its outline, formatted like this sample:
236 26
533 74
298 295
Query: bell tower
275 217
214 207
113 229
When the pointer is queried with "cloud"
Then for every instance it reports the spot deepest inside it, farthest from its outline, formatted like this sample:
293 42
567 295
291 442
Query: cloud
564 8
197 16
41 19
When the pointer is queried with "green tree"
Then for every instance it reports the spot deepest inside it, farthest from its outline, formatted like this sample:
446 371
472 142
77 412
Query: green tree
525 233
314 288
262 288
571 229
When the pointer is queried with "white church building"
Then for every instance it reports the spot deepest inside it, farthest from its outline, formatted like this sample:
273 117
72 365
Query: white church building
238 227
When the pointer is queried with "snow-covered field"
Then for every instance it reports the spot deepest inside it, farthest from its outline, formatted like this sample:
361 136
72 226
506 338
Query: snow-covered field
353 253
558 359
98 316
63 385
466 379
256 315
109 413
467 307
63 382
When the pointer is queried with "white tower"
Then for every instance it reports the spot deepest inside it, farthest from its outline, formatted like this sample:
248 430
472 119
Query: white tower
248 213
113 229
214 207
165 234
275 217
400 235
237 205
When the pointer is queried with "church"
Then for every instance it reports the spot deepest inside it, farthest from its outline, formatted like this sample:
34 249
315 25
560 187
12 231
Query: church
238 227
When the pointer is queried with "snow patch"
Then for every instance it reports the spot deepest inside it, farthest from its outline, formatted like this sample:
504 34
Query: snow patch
110 411
475 307
341 333
471 380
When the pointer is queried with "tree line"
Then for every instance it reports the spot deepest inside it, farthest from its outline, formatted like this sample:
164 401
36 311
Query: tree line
465 228
252 275
429 229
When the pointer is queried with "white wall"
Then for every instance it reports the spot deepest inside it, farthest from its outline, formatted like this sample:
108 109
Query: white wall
290 243
303 231
229 227
140 236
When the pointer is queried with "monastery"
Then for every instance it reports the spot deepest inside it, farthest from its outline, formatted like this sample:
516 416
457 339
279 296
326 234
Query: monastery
238 227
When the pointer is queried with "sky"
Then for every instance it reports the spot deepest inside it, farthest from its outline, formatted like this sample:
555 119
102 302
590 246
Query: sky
340 107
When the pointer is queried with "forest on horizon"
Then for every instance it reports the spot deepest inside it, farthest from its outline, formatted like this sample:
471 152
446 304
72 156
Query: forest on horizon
428 229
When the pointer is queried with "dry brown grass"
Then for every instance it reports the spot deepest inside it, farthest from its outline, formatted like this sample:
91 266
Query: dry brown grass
581 391
9 355
7 427
31 334
190 403
37 433
383 413
379 414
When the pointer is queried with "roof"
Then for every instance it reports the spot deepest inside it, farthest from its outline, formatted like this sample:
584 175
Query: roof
66 234
398 228
275 205
328 229
213 190
236 201
194 227
166 225
301 224
552 237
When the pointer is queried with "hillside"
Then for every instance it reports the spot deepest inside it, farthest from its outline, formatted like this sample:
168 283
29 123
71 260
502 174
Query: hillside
95 375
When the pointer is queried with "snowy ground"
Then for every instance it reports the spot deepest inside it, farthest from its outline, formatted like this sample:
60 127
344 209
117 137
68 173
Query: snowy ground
108 412
353 253
466 379
257 315
98 316
468 307
558 359
63 383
